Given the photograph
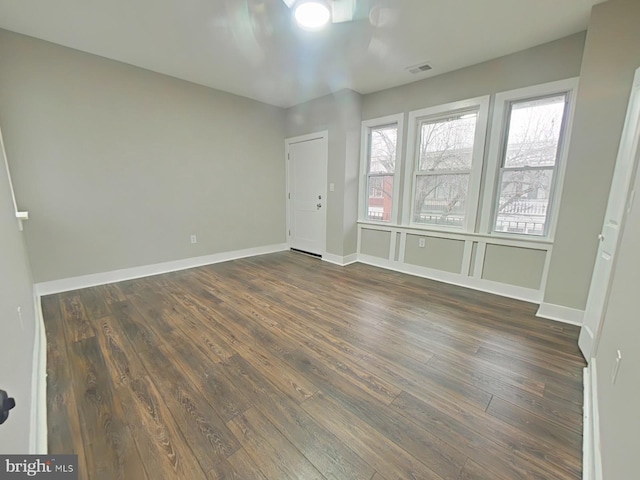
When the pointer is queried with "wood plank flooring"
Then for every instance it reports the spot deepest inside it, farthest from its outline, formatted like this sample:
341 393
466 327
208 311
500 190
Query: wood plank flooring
286 367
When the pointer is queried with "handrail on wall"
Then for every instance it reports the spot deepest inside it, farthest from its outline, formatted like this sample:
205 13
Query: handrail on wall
20 215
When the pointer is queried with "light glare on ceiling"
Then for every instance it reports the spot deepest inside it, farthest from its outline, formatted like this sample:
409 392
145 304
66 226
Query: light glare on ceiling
312 15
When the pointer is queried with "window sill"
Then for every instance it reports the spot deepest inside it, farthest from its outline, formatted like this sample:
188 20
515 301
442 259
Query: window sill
458 234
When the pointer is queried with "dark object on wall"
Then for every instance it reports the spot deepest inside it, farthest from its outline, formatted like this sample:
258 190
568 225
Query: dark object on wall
6 404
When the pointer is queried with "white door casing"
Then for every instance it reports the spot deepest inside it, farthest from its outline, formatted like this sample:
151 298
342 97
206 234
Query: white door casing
307 159
620 200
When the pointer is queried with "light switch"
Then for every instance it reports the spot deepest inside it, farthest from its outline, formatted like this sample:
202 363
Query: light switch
332 187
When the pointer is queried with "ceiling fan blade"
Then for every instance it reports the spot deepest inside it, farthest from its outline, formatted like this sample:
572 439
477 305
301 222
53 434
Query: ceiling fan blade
342 10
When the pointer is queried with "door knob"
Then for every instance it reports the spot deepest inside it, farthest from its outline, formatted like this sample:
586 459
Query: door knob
601 237
6 404
319 205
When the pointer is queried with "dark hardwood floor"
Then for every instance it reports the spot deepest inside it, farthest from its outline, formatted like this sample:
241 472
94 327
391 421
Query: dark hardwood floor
286 367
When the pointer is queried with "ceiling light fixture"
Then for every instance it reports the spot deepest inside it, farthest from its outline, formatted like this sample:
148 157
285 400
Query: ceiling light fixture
312 14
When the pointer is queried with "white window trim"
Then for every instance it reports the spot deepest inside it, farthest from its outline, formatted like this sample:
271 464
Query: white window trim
367 125
501 109
475 177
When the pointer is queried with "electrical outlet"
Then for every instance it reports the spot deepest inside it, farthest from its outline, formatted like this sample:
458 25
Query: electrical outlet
194 239
332 187
422 242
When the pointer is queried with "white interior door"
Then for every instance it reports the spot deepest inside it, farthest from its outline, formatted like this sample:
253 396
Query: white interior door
307 192
620 199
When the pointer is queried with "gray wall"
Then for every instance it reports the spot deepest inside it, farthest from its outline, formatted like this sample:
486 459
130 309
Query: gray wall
375 243
16 338
611 55
438 253
619 418
545 63
340 115
499 262
119 165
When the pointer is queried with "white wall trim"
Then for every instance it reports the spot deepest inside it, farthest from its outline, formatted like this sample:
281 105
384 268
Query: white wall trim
341 261
595 409
478 266
75 283
586 341
591 451
497 288
38 425
560 313
587 428
20 216
492 239
466 258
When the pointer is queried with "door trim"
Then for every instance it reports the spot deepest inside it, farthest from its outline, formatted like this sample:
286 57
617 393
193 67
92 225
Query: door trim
324 135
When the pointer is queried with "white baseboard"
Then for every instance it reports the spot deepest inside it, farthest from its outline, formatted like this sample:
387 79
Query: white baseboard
591 453
497 288
572 316
75 283
595 409
587 429
338 260
38 425
586 342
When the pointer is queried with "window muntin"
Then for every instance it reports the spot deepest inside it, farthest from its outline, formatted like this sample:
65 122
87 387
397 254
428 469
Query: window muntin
443 169
381 169
529 160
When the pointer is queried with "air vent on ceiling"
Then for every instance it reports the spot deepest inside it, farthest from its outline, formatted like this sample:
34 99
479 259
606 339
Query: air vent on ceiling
423 67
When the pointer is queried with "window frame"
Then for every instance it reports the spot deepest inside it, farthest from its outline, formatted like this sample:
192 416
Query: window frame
497 146
416 119
365 144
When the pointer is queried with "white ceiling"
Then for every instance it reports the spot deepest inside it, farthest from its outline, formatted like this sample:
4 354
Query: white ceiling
252 48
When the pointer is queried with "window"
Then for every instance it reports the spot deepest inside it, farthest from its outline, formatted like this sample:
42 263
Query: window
444 167
382 151
445 172
527 149
528 165
447 163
